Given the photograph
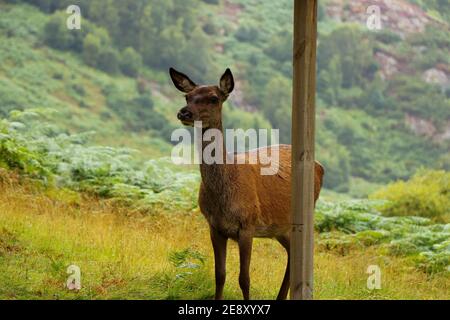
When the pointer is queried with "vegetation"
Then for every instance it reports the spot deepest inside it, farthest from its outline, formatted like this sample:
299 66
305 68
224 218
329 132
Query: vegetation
77 105
357 223
362 115
427 194
57 160
42 152
123 256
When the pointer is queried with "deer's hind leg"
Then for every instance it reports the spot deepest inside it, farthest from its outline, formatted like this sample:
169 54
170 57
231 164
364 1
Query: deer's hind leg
219 243
285 241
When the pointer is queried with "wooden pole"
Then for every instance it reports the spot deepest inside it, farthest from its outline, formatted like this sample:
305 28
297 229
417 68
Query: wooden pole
303 125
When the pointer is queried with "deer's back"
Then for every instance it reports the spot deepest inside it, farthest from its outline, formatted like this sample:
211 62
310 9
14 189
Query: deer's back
251 200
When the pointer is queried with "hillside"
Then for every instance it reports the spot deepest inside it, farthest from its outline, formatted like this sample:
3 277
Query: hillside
383 102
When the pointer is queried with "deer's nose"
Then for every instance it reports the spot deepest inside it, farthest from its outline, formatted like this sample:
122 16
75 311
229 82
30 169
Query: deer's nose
184 114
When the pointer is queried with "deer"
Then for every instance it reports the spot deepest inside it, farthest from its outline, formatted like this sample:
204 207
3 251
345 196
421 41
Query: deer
237 201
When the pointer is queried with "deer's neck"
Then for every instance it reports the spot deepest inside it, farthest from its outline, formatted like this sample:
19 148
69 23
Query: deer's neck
216 176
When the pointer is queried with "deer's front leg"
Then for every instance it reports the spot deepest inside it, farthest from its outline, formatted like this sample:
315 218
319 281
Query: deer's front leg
219 243
245 251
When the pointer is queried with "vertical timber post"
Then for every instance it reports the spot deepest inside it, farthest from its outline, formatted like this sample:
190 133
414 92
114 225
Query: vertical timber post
303 126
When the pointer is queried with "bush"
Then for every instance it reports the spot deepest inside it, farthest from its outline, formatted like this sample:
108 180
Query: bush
35 149
56 34
210 27
91 49
347 224
427 194
247 33
280 47
108 61
99 53
387 37
131 62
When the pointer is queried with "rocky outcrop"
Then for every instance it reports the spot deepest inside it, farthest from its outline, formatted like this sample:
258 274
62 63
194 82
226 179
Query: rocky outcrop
436 76
389 65
398 16
423 127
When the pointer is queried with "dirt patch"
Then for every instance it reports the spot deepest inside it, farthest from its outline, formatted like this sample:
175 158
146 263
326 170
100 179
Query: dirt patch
232 11
8 242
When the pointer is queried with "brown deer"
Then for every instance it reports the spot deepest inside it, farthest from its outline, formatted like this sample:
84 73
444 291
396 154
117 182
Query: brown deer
237 201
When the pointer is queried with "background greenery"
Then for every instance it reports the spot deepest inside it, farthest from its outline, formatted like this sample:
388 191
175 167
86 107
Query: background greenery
86 117
111 77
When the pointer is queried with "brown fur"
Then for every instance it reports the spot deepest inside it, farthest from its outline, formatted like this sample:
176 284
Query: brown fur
236 196
237 201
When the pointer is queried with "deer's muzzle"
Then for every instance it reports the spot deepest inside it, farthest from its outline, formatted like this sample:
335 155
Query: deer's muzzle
185 115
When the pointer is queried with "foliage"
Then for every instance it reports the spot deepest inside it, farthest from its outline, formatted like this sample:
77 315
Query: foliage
426 194
280 47
15 155
44 152
357 223
362 131
123 257
346 54
131 62
150 28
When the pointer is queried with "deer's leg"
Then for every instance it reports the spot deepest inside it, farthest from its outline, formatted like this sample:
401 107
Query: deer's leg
285 241
219 243
245 251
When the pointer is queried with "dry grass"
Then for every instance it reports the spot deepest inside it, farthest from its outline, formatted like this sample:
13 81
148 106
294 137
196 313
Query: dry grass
126 257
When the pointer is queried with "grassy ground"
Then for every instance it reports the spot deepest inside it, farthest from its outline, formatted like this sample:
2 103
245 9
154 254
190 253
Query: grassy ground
126 256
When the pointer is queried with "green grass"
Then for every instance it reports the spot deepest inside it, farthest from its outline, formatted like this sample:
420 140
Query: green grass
168 256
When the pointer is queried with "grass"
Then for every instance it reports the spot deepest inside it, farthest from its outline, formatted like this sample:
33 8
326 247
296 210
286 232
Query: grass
127 256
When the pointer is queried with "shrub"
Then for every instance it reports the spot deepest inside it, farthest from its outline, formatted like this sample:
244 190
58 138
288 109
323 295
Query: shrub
131 62
427 194
348 224
38 150
91 49
280 47
387 37
56 34
108 60
247 33
210 27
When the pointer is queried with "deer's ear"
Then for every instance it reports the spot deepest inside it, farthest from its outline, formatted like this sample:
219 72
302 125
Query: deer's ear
181 81
227 82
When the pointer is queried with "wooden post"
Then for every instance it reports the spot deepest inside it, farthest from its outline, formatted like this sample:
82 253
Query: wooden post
303 124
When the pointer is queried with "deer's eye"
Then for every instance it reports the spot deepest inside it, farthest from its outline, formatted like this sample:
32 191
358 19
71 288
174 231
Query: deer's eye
213 100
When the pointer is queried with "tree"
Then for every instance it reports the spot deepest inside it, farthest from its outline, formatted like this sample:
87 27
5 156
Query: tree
131 62
56 34
335 158
354 55
91 50
276 105
280 47
108 60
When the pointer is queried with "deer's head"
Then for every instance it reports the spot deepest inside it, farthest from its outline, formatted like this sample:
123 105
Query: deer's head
204 103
